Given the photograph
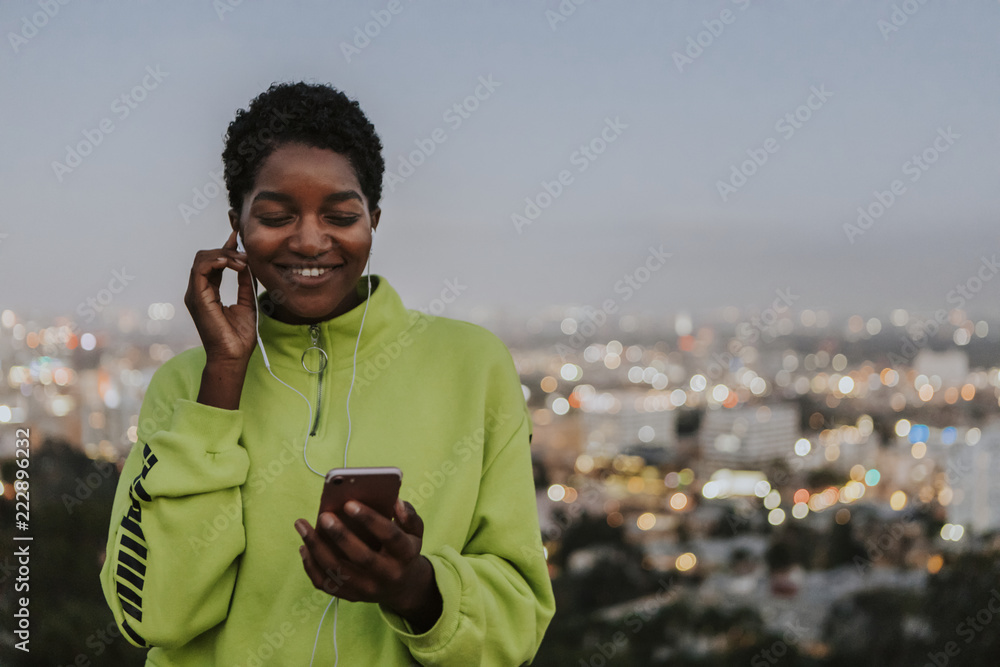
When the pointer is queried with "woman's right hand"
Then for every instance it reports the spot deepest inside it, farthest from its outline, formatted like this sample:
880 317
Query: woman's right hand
228 333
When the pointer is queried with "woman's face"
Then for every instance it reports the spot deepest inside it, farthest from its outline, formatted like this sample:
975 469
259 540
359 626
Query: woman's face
306 214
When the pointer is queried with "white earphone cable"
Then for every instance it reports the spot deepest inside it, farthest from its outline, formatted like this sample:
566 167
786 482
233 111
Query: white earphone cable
335 601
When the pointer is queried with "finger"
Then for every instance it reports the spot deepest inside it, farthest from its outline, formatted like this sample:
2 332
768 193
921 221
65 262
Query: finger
336 532
394 540
330 581
230 243
411 521
321 553
207 276
210 263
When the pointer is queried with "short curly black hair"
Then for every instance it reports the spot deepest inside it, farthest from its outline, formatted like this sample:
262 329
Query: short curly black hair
316 115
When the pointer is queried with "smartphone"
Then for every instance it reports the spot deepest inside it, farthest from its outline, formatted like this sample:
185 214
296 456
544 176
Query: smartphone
377 488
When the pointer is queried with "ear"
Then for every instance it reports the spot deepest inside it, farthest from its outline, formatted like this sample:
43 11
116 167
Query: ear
234 220
375 215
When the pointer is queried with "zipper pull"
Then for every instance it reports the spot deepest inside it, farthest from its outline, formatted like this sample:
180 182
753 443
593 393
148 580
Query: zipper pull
323 359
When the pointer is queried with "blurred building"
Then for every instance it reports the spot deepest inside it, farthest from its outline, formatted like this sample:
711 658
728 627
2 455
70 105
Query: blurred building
624 420
749 438
951 366
972 473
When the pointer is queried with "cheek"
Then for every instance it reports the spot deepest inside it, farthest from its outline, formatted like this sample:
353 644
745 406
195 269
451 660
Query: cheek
359 243
261 242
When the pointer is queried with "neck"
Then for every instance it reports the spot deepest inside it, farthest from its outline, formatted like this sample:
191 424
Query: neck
353 299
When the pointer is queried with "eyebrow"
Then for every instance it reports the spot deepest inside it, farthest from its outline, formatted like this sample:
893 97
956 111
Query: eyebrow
333 197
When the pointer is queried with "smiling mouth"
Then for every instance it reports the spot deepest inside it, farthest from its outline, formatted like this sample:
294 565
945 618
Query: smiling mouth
310 271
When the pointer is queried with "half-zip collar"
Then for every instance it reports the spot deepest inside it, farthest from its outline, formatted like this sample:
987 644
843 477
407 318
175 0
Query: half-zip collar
385 319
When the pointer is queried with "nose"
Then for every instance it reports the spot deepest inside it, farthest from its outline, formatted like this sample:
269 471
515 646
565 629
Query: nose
309 237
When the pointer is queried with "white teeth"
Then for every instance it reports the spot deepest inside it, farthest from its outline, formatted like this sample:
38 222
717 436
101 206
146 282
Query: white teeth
309 272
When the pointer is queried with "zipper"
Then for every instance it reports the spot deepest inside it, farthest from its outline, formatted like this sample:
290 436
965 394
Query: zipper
314 335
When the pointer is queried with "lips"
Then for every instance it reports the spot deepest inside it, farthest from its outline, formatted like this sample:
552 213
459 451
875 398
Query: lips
309 276
314 271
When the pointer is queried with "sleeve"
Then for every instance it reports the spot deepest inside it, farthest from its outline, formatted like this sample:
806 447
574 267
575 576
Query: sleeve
497 595
176 528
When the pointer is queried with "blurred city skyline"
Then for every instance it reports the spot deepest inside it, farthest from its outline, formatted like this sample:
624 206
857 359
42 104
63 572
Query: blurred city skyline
738 137
740 253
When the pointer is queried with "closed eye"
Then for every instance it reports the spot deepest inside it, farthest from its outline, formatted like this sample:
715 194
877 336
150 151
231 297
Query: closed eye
274 222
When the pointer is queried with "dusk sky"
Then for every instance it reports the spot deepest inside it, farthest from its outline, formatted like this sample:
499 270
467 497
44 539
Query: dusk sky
741 136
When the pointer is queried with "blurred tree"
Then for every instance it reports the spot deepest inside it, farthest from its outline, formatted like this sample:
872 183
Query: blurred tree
687 421
842 547
70 505
867 630
959 605
822 478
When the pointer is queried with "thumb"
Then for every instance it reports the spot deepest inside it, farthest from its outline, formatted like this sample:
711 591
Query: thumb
408 519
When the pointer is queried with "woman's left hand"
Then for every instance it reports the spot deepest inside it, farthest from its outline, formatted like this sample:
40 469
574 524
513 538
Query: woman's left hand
395 575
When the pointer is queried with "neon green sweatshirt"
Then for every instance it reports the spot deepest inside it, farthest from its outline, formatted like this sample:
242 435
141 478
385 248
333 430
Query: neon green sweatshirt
202 558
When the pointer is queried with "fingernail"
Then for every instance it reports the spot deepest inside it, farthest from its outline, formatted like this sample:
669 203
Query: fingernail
299 526
328 522
352 507
240 263
302 551
400 507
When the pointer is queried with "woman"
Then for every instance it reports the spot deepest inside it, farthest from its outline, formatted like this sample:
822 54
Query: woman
211 559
